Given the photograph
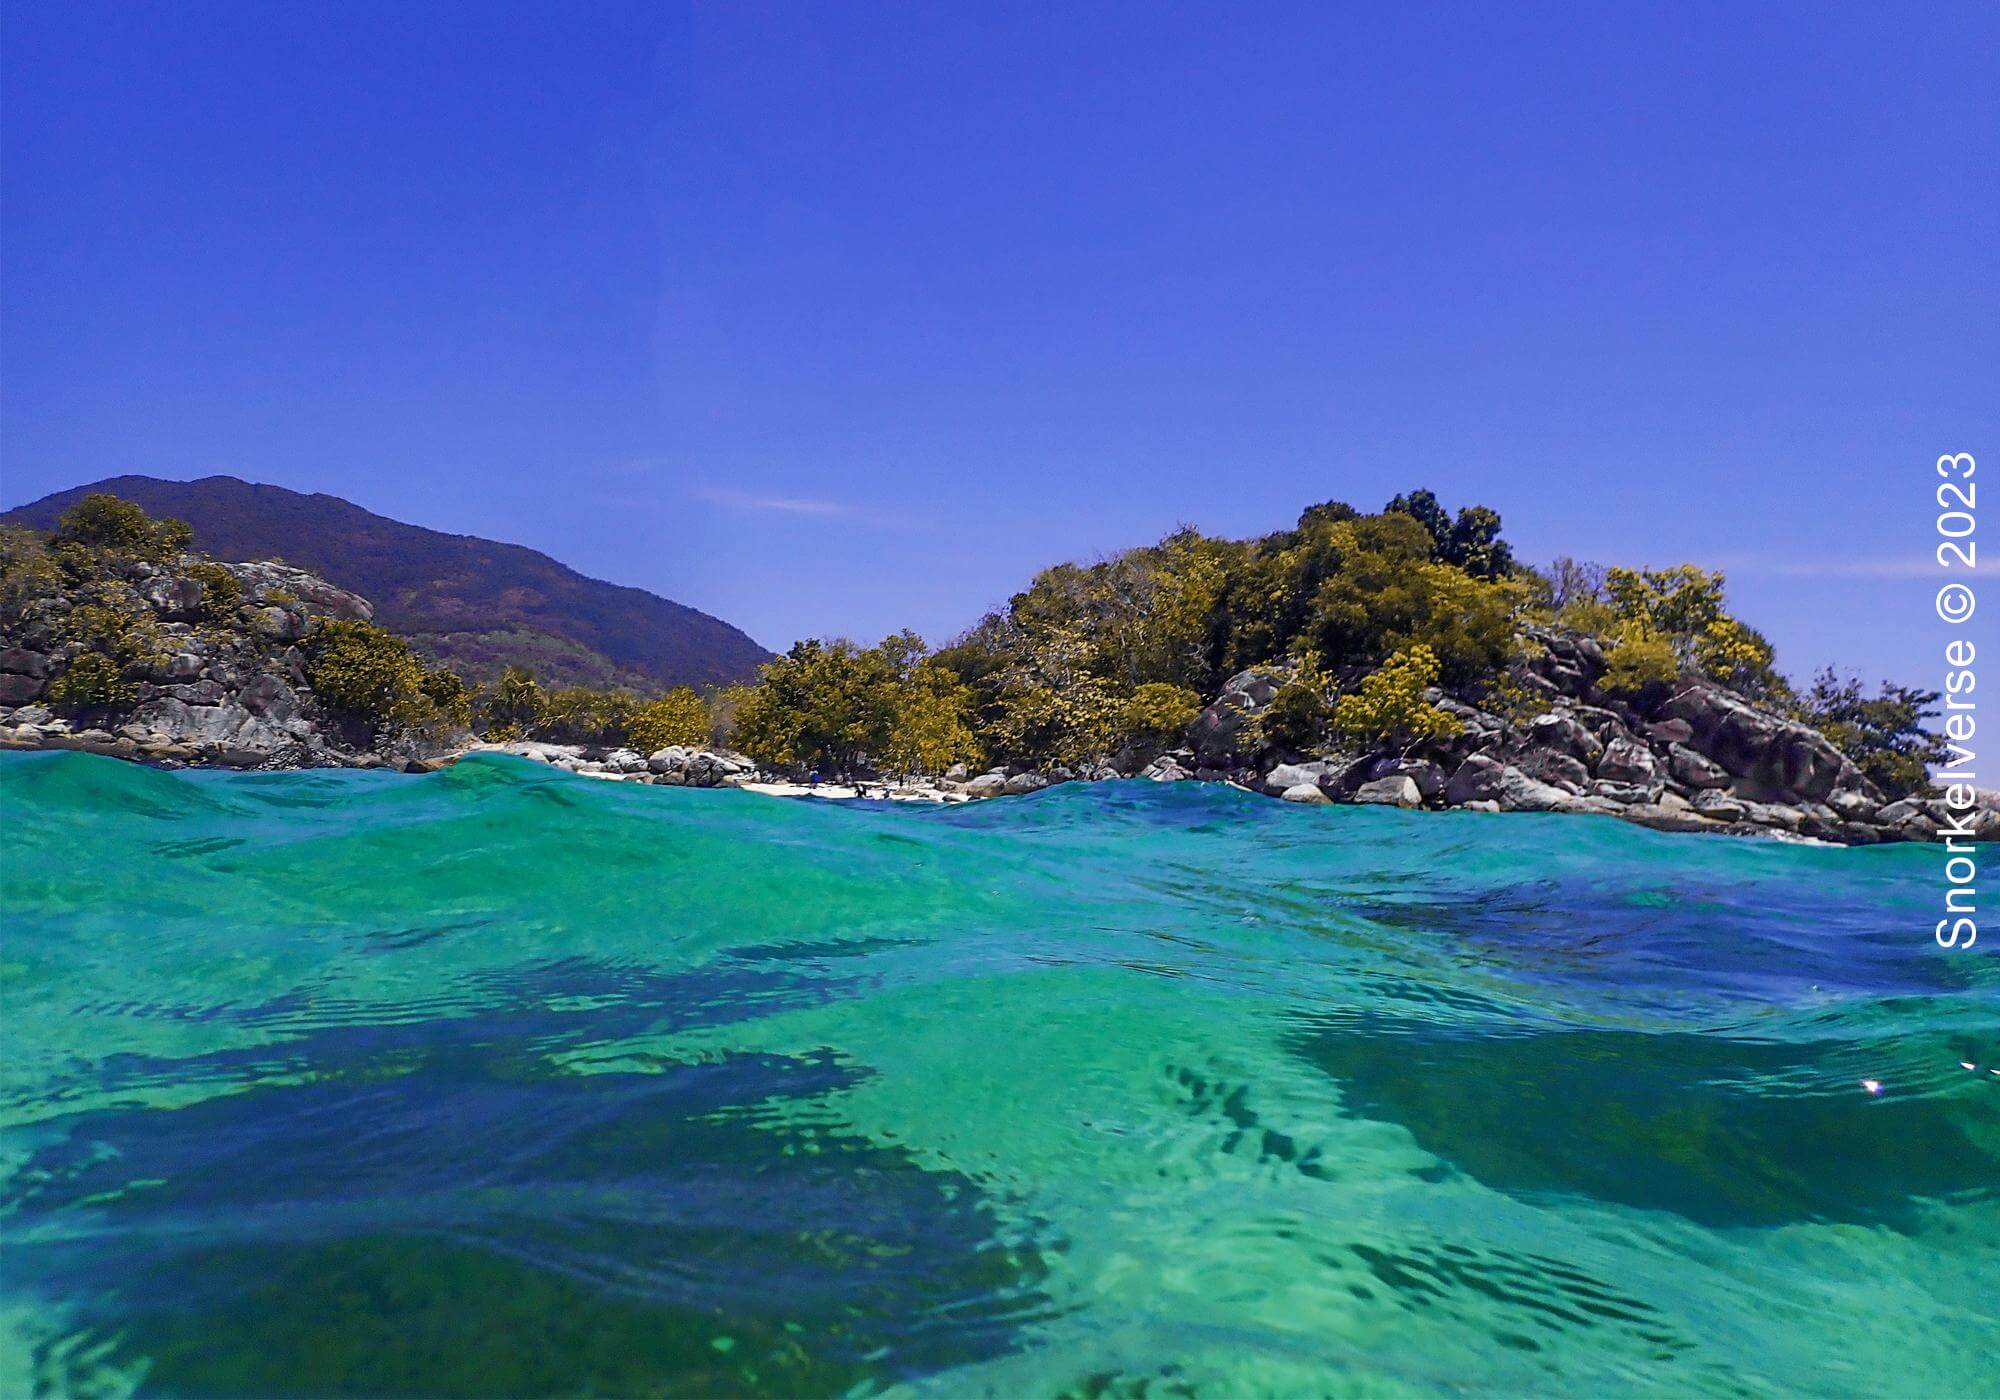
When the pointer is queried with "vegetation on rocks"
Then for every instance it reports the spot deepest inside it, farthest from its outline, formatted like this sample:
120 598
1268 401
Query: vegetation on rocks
372 675
1389 706
1376 630
1887 734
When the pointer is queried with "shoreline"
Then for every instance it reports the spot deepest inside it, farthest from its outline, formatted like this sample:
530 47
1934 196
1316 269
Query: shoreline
703 768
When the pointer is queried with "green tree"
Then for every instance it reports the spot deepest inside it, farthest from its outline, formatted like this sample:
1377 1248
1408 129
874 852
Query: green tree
932 725
103 521
449 697
823 705
1887 735
677 718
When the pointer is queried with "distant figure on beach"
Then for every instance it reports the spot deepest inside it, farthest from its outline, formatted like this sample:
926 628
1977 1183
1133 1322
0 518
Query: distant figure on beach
812 778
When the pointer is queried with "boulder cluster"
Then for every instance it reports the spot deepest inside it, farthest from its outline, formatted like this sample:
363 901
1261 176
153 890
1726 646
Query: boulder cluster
1693 756
673 766
228 685
223 687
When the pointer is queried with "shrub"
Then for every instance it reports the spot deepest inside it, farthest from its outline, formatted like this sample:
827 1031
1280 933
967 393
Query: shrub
28 575
1640 659
1296 718
514 707
1156 715
221 590
677 718
932 725
450 699
92 681
118 626
577 714
105 522
359 669
1390 706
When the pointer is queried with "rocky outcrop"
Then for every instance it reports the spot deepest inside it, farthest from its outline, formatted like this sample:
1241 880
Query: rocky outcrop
219 680
674 766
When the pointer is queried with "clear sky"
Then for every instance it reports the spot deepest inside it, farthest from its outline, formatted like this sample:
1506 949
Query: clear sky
837 318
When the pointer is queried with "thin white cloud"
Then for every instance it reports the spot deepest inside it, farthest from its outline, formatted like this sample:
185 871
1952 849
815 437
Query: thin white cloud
1902 567
750 500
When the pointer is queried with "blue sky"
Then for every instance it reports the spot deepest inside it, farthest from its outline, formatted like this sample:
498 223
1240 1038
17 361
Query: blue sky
833 319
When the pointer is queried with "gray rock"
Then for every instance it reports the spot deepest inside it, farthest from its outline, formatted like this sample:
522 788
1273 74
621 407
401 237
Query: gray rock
1222 732
986 785
280 624
18 689
175 597
183 666
1626 794
1775 814
1774 755
1304 792
957 773
1670 731
1484 778
1627 761
1398 791
1563 734
1290 775
1021 784
1555 769
1692 770
22 662
198 693
1165 769
1713 802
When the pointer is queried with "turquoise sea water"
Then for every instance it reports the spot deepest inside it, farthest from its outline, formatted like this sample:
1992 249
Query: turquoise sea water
500 1081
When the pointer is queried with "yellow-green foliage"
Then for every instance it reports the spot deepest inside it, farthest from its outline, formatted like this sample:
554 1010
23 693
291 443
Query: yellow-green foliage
577 714
1639 659
28 573
1157 715
115 624
92 681
1735 653
838 706
514 707
820 705
450 699
1058 704
1298 713
1390 706
221 590
103 521
931 728
358 668
1664 621
678 717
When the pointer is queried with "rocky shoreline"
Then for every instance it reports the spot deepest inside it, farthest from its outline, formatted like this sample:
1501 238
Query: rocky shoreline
227 687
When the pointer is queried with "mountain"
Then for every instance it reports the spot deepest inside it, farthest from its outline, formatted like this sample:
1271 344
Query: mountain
478 605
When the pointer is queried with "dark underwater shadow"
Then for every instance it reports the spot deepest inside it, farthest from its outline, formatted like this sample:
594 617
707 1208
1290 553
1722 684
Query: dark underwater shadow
440 1210
1724 1131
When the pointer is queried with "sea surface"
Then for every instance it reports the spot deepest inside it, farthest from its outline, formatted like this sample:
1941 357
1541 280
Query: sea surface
501 1081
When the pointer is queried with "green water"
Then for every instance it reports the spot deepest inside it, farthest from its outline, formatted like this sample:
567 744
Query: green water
500 1081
